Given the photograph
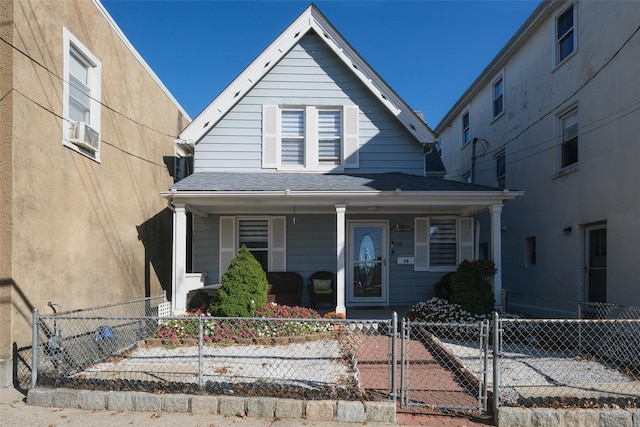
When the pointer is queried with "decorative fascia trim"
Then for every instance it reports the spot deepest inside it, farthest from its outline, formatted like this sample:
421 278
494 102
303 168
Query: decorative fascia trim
382 198
310 19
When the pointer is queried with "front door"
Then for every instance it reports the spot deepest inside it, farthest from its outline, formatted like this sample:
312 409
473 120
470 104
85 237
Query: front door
596 263
367 266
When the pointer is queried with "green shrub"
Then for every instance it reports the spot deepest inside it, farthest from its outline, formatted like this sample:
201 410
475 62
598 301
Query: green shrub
470 290
244 288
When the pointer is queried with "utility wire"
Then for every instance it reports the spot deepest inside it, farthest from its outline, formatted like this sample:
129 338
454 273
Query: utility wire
26 55
535 122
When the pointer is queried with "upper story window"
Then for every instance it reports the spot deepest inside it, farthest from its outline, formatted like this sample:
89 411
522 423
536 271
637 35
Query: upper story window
329 137
500 169
498 97
569 139
81 98
466 130
310 137
292 145
565 34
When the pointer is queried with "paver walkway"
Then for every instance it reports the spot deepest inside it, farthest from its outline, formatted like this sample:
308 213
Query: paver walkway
432 384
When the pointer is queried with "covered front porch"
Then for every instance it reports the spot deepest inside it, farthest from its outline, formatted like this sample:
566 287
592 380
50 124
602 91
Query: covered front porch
393 235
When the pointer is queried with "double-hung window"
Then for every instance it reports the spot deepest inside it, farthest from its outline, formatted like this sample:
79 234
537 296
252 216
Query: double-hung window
498 97
81 97
441 243
310 137
293 137
569 136
466 130
265 237
254 234
329 137
565 34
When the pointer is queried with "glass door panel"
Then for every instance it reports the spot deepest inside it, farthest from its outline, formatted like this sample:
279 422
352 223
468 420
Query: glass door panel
368 253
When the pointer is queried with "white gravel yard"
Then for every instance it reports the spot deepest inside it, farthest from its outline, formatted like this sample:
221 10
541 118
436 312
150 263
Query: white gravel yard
531 372
312 364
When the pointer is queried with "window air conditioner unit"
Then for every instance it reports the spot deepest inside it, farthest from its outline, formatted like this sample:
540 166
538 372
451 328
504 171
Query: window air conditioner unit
84 136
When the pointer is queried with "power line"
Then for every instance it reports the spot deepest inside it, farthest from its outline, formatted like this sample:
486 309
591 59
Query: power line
96 100
634 107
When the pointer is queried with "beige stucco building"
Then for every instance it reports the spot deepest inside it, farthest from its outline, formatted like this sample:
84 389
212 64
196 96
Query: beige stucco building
87 134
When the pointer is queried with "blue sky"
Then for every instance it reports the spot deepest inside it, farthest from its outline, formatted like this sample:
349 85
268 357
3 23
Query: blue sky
429 52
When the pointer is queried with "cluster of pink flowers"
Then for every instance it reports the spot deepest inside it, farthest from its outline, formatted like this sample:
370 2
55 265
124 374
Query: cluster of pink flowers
275 311
217 329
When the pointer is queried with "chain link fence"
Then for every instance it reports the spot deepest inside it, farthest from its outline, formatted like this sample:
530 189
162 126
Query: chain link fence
444 365
569 362
597 310
301 358
48 334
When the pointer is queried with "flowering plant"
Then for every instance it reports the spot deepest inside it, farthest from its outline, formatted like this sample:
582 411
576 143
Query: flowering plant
440 310
222 329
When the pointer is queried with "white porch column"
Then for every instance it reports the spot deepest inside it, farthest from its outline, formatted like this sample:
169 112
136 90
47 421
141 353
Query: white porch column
496 252
179 268
340 259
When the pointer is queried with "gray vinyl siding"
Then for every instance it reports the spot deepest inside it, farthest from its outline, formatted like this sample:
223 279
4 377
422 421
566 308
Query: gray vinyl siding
311 247
310 74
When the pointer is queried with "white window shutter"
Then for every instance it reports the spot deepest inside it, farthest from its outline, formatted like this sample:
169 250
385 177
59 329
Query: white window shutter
350 135
277 244
270 121
421 249
465 242
227 243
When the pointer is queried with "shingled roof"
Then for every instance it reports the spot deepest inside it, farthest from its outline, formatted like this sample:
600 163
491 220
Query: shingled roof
328 182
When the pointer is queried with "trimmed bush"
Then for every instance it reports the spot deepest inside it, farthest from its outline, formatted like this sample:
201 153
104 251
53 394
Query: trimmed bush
470 290
244 288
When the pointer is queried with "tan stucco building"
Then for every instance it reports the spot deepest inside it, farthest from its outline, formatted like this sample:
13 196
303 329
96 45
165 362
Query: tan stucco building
87 134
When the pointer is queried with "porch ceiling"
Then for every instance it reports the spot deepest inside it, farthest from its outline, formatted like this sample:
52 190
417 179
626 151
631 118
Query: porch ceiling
277 193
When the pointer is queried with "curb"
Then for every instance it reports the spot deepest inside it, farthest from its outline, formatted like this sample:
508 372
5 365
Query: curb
255 407
525 417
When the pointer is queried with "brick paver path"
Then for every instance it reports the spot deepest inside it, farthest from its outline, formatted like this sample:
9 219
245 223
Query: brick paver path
429 383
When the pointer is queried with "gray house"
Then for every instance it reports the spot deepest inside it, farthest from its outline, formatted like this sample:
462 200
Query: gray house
310 160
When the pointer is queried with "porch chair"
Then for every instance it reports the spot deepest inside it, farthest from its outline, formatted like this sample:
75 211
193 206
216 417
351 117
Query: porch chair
322 288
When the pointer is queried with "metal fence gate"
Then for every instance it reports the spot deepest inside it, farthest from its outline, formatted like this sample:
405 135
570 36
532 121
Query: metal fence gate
444 366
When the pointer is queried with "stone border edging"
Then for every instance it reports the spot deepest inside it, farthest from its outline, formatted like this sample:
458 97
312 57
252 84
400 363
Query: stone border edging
256 407
538 417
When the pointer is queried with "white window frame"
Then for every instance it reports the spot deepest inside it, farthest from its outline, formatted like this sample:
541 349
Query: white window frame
272 138
71 43
465 236
229 241
300 139
466 129
495 114
561 130
559 38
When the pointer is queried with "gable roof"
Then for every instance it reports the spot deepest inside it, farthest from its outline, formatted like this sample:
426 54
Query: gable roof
310 20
